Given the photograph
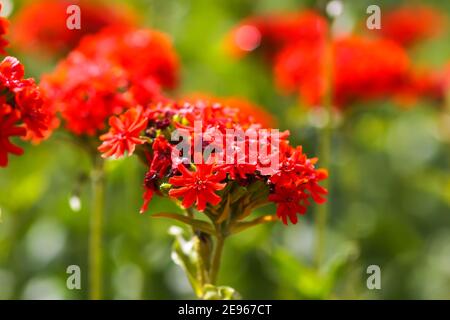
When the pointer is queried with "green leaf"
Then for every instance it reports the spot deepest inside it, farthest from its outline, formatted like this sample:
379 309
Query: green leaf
196 224
238 193
225 211
241 226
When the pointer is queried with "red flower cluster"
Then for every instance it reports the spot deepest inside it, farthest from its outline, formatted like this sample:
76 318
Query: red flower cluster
361 70
408 25
109 72
22 111
41 25
210 183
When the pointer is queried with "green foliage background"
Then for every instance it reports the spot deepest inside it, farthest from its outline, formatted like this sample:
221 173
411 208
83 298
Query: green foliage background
390 194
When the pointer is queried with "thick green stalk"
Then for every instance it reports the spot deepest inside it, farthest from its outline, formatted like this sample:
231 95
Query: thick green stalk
96 230
215 266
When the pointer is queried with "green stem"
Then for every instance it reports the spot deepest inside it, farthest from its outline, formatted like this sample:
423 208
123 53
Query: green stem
215 266
96 230
324 153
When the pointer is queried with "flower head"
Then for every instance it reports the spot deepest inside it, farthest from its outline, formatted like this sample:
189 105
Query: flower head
232 164
106 74
124 134
198 186
410 24
361 70
41 25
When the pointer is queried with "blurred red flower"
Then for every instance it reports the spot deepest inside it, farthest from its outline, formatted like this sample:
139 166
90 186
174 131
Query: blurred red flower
425 83
362 70
108 72
410 24
40 25
147 56
3 29
86 92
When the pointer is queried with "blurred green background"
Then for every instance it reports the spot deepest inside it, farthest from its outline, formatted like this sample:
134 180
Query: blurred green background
390 188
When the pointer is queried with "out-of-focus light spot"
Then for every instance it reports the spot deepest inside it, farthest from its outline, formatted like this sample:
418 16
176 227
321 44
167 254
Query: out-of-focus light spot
75 203
343 25
44 289
44 241
334 8
7 8
175 231
248 38
318 117
300 239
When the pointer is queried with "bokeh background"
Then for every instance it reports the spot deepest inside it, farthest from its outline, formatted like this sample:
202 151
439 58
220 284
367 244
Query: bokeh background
389 202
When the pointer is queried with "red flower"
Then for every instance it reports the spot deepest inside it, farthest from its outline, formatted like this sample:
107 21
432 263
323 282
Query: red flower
36 116
245 108
22 109
124 134
162 156
425 83
109 72
11 73
86 92
294 183
143 53
197 186
160 162
150 185
40 26
409 25
9 129
361 68
289 203
3 29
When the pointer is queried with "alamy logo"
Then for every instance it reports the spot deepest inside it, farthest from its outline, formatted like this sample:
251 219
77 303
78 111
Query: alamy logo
74 280
374 280
73 21
374 20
